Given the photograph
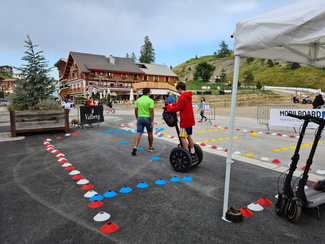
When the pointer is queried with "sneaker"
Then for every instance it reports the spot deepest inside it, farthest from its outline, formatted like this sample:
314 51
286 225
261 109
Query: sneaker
151 149
134 151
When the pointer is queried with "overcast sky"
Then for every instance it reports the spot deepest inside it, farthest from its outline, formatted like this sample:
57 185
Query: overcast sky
178 29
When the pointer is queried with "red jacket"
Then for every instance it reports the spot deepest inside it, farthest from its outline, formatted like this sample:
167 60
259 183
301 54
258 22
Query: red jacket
184 106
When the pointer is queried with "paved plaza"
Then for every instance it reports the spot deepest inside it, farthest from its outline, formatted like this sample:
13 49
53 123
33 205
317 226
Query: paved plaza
43 202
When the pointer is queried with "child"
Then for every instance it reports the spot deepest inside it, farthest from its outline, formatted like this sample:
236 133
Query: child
184 106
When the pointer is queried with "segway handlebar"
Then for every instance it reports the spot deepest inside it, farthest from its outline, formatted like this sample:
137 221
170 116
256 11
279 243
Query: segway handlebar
314 119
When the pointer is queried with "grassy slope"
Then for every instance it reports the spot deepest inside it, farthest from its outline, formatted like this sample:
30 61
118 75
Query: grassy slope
279 75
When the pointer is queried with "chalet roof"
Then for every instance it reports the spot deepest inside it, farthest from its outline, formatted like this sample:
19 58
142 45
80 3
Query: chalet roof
156 69
87 62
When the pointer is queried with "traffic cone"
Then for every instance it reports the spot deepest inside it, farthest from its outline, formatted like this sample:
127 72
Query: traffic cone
74 172
175 179
78 177
90 193
63 161
160 182
255 207
264 201
87 187
246 212
95 204
125 189
187 178
109 228
96 197
304 167
82 182
66 165
110 193
276 161
101 216
69 168
142 185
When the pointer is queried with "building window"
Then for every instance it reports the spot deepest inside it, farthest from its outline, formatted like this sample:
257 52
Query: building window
123 76
144 78
135 76
166 79
156 78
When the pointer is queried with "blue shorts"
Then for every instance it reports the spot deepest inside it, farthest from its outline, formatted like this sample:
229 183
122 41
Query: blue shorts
185 132
144 122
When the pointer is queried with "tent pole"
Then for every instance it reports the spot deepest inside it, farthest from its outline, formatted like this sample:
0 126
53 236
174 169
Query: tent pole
231 135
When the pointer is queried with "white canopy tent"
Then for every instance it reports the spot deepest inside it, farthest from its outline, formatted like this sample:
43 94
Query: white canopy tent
293 33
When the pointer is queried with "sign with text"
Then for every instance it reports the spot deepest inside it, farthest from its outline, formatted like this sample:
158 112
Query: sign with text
91 114
280 117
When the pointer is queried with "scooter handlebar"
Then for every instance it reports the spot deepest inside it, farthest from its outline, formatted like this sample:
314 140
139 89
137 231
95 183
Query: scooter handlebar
314 119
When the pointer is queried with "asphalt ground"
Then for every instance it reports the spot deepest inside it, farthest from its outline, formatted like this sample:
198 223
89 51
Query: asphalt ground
42 203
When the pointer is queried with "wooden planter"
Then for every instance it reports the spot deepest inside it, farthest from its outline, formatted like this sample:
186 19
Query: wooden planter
41 120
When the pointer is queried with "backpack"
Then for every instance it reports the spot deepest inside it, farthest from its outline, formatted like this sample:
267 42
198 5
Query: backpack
170 118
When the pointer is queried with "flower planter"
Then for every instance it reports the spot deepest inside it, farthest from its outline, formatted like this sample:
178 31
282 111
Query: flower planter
40 120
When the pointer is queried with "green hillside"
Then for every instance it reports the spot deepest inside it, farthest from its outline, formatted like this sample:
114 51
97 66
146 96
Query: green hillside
281 74
5 76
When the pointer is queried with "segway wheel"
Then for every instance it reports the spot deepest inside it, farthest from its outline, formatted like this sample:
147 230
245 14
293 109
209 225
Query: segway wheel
280 205
180 159
293 212
199 153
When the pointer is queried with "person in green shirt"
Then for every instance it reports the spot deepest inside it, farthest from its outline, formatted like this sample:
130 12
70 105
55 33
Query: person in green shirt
144 112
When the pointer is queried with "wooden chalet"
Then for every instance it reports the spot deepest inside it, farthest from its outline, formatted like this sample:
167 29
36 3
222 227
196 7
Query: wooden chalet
84 74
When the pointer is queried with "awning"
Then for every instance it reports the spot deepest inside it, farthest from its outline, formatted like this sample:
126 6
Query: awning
162 92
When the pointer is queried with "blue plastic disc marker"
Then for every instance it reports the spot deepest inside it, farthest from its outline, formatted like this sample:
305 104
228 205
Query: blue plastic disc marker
110 193
96 197
142 185
155 158
140 149
125 189
161 182
123 142
187 178
175 179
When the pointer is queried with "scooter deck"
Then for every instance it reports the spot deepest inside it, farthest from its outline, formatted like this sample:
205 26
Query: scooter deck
316 200
309 192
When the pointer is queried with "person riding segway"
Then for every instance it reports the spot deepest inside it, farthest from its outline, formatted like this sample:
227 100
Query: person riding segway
182 158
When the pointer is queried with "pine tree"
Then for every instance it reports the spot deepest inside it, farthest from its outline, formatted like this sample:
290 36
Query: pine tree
224 51
133 57
147 52
35 86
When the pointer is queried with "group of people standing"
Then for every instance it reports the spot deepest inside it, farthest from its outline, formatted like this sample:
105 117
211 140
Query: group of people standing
144 113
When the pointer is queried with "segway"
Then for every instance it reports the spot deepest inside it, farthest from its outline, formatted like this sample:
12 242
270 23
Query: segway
180 158
312 198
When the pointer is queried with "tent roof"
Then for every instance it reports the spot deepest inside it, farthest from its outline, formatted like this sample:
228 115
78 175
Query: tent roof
294 33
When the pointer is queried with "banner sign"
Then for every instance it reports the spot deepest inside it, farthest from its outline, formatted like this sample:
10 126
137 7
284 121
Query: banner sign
91 114
280 117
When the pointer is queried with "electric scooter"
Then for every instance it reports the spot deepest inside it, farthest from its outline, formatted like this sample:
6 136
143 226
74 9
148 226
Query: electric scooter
287 192
180 158
311 198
